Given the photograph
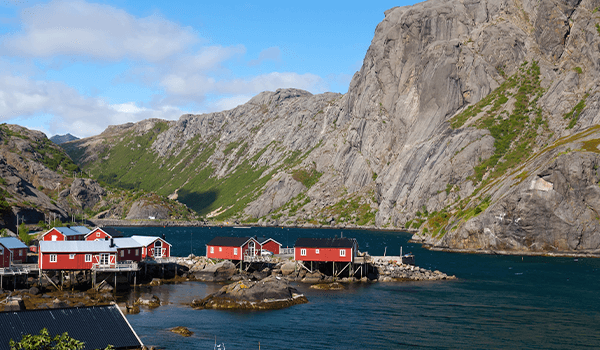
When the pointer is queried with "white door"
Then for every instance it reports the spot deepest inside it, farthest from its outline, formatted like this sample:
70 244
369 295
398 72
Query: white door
251 248
104 259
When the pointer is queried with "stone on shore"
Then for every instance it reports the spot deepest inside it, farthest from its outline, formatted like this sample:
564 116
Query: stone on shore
182 331
220 272
328 286
270 293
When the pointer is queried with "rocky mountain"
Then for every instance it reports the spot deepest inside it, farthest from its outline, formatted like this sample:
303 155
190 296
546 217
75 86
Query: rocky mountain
39 182
58 139
473 122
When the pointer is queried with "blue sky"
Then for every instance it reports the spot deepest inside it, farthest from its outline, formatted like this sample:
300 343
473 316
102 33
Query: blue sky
78 66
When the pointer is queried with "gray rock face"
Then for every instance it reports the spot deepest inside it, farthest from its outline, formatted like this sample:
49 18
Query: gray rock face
85 192
144 210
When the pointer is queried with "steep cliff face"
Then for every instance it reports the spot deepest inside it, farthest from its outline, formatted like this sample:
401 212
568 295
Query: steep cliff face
468 121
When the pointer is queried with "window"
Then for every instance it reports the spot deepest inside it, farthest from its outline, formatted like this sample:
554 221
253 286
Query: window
212 249
20 252
342 252
97 234
52 257
71 256
234 251
316 251
220 249
54 237
137 252
88 258
122 253
303 252
128 251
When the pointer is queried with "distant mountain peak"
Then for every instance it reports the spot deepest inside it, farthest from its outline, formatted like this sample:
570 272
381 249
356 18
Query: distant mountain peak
58 139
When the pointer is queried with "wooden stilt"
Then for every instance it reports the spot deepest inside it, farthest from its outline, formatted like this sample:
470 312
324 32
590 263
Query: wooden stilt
115 289
134 280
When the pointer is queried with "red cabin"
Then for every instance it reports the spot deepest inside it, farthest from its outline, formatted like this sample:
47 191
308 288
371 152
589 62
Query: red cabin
325 249
153 247
102 233
17 249
270 245
128 249
4 256
232 248
63 234
76 255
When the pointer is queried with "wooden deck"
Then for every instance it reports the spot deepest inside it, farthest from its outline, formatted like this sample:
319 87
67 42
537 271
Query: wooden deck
119 267
19 269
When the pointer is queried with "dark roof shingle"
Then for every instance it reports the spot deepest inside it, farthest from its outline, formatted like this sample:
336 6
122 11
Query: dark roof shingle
228 241
325 242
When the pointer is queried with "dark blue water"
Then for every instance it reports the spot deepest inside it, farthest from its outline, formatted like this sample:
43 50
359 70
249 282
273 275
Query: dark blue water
498 302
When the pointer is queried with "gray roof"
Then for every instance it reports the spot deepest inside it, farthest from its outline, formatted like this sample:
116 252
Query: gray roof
228 241
81 229
127 242
66 231
109 326
12 243
76 246
147 240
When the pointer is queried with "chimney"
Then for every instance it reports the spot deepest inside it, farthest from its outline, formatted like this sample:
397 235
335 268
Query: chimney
112 242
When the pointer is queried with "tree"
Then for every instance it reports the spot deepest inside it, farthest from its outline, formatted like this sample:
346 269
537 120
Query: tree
44 341
24 234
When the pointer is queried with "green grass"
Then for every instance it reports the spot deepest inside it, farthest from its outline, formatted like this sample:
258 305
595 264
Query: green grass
307 177
573 114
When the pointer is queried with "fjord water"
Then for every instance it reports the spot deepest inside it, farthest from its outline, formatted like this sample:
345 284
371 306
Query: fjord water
497 302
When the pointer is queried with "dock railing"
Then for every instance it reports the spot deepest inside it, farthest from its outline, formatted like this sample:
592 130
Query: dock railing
167 260
120 266
19 269
286 251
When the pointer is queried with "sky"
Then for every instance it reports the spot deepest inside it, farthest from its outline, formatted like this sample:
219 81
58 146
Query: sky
77 66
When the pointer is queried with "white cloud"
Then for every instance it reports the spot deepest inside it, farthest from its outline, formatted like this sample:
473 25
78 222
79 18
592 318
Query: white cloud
272 54
95 30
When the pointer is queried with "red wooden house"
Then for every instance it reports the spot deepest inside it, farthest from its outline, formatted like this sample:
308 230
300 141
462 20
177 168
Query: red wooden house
63 234
270 244
17 249
76 255
102 233
232 248
128 249
153 247
325 249
4 256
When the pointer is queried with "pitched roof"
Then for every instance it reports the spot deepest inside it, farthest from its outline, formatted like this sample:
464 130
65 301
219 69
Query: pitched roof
229 241
12 243
66 231
110 326
147 240
114 233
80 229
325 242
75 246
127 242
264 240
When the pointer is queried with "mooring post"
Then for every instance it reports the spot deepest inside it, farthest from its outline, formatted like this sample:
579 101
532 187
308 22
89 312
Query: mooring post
115 289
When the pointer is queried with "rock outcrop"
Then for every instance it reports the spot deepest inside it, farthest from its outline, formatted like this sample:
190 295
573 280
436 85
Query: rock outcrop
466 122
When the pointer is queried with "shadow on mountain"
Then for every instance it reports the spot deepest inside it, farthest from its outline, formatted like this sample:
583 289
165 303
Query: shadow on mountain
200 202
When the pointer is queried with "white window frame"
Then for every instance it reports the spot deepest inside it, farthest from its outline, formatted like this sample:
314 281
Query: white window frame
20 252
317 251
137 252
212 250
71 256
88 258
97 234
220 249
234 251
54 237
342 252
52 258
303 252
123 253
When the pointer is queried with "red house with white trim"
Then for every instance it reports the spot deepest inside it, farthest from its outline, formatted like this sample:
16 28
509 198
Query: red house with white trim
232 248
76 255
325 249
102 233
153 247
4 256
17 249
128 249
63 234
269 244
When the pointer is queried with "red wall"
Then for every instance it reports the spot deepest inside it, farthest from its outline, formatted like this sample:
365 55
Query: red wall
149 250
325 254
5 257
272 247
92 236
129 254
61 237
63 262
226 253
19 259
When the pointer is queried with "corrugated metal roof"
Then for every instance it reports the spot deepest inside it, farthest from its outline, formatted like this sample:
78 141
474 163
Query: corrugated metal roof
81 229
109 326
65 231
147 240
325 242
127 242
75 246
228 241
12 243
